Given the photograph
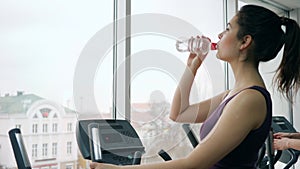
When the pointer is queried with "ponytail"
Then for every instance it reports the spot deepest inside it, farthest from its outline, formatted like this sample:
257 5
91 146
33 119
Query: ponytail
288 73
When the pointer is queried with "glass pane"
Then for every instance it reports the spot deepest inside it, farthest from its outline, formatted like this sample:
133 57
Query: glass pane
156 68
42 47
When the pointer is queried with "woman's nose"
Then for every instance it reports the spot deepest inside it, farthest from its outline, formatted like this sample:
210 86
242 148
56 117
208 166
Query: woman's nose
220 35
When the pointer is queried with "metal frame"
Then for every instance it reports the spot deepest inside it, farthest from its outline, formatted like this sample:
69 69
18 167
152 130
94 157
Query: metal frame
128 62
127 28
115 56
230 8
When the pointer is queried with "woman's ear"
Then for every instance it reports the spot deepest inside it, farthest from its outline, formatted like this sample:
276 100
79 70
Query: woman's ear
246 42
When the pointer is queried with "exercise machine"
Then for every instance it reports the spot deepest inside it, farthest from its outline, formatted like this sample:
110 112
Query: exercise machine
191 136
267 155
289 156
117 142
109 141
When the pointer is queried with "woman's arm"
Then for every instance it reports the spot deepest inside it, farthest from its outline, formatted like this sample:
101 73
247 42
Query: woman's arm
242 114
280 135
196 113
293 143
181 110
295 135
286 143
174 164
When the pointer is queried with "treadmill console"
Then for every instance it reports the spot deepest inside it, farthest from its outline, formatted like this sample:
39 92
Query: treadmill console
109 141
281 124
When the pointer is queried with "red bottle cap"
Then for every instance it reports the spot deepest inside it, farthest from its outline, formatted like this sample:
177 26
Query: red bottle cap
213 46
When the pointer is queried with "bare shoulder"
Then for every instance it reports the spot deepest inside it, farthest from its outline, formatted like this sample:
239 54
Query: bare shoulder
250 105
251 96
250 100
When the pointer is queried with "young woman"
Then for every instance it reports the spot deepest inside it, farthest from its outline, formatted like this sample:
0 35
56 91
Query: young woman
236 122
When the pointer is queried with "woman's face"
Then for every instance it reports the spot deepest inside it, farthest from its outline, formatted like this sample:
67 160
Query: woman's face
228 46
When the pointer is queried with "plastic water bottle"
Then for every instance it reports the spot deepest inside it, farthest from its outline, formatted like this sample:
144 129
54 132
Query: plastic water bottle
198 45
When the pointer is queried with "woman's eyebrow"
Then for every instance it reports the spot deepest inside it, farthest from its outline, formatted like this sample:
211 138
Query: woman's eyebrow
228 24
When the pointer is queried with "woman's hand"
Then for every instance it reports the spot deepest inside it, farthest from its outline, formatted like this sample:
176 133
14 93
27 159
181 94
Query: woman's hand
281 144
282 135
95 165
195 60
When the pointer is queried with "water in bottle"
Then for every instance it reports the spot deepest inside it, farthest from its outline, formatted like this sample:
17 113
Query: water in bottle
198 45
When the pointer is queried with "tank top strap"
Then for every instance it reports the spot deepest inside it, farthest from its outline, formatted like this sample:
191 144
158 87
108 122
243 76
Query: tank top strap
262 90
267 96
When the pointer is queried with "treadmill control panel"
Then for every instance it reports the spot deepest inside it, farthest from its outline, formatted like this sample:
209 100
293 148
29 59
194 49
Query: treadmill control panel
108 141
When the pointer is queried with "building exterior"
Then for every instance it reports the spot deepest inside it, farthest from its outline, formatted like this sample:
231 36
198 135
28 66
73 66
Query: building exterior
48 131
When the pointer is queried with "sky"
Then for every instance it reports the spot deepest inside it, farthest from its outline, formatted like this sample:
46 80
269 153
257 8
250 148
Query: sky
41 42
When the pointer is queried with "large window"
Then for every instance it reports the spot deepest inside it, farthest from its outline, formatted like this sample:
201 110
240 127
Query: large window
156 68
73 55
41 43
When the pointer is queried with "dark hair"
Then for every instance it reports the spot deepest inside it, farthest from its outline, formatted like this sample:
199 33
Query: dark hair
265 28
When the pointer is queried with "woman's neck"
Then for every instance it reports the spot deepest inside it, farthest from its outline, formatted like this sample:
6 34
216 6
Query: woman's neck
246 74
